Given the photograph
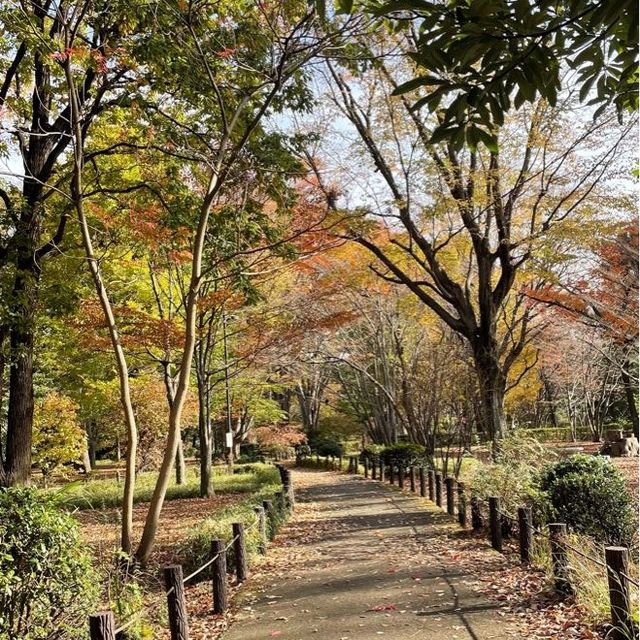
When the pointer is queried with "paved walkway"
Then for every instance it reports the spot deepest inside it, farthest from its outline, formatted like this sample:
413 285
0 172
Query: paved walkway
362 561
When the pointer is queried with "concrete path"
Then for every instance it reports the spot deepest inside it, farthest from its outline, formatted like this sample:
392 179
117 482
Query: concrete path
362 561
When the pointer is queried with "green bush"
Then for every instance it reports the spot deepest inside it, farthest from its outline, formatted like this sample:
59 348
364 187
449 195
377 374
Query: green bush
47 585
589 495
405 454
329 448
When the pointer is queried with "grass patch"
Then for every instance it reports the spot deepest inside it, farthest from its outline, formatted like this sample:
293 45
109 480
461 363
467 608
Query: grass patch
101 494
196 549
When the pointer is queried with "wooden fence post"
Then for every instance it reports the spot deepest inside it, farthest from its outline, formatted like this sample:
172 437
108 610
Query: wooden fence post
102 626
439 488
240 551
401 471
462 505
525 522
495 525
412 478
176 605
340 462
280 502
366 466
431 474
391 474
374 469
270 515
262 529
617 571
381 470
476 515
219 576
557 530
450 483
423 485
289 493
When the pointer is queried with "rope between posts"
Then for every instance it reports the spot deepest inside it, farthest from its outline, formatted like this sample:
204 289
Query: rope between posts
208 563
575 550
138 614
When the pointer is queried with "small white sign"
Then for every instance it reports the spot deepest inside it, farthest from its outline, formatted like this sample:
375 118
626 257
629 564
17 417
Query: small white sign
229 439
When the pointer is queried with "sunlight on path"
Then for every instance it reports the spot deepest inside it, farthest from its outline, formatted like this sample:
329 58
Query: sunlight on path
360 561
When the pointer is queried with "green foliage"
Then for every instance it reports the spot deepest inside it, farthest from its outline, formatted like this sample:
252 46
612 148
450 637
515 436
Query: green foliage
47 586
478 58
589 495
58 438
329 448
404 454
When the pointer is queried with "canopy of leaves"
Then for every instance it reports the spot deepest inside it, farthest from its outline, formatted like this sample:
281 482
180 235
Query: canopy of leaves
478 58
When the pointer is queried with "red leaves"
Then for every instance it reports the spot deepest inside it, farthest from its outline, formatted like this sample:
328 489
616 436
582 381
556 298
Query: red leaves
383 607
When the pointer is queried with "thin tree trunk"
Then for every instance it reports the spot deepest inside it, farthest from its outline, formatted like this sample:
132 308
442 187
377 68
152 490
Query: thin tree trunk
105 303
205 437
175 415
630 394
181 467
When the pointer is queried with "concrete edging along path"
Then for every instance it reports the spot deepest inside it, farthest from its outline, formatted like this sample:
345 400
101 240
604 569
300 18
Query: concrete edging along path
362 561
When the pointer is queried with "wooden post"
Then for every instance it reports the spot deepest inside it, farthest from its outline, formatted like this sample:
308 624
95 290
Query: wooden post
431 474
102 626
176 605
290 498
381 470
356 465
412 478
476 515
262 530
239 551
450 483
423 482
617 571
280 502
366 466
340 462
350 470
557 530
438 488
326 462
270 515
219 576
374 469
495 525
462 504
525 522
391 474
401 471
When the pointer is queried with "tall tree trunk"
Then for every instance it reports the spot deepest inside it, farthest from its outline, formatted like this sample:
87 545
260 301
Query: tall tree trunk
17 468
181 467
205 437
630 390
175 415
492 385
105 303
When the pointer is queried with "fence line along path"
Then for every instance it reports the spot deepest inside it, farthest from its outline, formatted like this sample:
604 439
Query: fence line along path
360 562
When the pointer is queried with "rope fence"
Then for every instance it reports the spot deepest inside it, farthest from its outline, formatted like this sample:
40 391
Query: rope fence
490 513
268 515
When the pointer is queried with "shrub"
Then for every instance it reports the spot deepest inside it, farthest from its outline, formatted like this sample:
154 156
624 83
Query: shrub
514 477
589 495
47 585
329 448
405 454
